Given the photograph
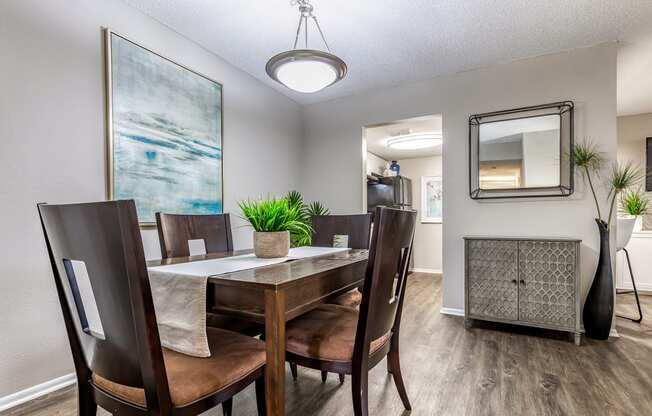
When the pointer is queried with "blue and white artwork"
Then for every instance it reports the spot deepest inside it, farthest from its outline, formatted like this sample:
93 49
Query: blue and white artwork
431 199
166 132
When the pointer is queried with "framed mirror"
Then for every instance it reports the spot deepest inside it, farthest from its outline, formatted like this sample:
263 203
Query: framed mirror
524 152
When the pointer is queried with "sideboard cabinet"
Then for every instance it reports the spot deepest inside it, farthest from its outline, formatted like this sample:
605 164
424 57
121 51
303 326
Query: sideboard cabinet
523 281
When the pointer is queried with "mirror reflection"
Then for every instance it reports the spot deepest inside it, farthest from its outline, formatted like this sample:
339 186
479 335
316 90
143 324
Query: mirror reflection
520 153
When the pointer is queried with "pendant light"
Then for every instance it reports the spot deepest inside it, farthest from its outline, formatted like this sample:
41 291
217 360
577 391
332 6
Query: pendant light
306 70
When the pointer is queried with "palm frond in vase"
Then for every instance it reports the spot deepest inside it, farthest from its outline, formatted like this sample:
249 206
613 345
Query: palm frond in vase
622 177
589 159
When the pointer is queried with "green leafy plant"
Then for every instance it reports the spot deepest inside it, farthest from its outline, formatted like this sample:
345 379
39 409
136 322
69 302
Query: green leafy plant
623 176
316 208
634 203
295 199
589 160
275 214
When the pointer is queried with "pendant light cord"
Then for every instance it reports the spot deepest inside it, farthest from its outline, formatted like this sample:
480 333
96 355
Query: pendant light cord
305 10
320 32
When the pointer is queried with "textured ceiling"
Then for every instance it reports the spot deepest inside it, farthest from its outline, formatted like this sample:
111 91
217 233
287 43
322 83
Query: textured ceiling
387 42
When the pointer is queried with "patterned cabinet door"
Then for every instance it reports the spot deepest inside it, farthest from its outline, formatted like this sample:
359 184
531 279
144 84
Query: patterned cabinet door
492 268
547 285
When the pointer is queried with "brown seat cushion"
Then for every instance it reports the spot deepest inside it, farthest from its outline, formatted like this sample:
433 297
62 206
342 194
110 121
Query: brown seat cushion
327 333
233 357
352 299
231 323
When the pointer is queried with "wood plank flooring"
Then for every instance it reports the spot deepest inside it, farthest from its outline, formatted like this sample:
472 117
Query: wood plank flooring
486 370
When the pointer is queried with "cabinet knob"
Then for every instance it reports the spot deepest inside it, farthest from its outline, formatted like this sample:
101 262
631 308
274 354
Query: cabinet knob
523 282
514 281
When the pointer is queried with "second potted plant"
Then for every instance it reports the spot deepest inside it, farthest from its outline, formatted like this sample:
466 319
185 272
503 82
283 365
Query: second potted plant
635 205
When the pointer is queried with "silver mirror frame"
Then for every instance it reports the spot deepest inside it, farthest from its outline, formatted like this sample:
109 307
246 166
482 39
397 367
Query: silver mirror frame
565 111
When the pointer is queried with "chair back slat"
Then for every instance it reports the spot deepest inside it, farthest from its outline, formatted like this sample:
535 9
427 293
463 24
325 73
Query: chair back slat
357 227
174 232
105 238
386 277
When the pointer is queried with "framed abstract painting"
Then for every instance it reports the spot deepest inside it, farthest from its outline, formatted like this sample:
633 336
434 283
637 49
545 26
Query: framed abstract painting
431 199
164 126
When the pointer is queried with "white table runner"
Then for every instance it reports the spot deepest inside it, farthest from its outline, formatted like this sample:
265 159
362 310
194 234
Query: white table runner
179 294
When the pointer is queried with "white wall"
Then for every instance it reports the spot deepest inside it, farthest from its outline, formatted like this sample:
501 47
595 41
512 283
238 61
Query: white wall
427 236
375 164
541 158
52 148
493 151
587 76
632 132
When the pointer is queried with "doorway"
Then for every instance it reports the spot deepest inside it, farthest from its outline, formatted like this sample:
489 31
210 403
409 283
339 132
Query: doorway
402 168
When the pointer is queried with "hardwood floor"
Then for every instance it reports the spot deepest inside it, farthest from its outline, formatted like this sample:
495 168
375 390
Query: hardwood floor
486 370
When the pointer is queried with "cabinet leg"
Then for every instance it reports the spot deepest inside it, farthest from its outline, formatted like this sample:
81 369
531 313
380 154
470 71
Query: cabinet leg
578 339
467 323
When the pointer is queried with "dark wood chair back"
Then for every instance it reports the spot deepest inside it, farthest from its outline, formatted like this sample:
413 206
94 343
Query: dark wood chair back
174 232
357 227
105 236
385 280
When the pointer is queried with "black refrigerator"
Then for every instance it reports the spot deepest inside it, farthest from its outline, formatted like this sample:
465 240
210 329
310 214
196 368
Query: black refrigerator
389 191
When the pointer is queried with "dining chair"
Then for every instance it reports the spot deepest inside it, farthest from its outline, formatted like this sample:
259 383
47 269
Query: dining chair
174 233
176 230
353 230
97 259
343 340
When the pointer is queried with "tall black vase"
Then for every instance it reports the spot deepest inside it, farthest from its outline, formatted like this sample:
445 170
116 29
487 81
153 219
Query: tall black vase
599 306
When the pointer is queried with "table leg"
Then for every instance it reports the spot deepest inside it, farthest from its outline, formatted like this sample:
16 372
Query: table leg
275 345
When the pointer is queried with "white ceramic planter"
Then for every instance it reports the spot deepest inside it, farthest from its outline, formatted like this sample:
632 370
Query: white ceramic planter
638 226
271 245
624 231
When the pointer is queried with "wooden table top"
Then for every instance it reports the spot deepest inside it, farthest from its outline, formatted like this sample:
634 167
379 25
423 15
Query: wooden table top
275 275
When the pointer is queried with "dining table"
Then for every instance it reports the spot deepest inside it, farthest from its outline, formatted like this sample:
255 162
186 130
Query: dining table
274 294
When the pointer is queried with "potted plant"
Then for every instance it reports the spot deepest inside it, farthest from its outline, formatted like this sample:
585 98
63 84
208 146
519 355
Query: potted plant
598 308
299 239
273 220
634 204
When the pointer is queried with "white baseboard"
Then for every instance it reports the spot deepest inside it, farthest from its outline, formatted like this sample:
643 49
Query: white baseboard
452 311
37 391
425 270
642 287
460 312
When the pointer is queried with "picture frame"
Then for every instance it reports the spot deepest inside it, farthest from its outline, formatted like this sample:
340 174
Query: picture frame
431 199
164 140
